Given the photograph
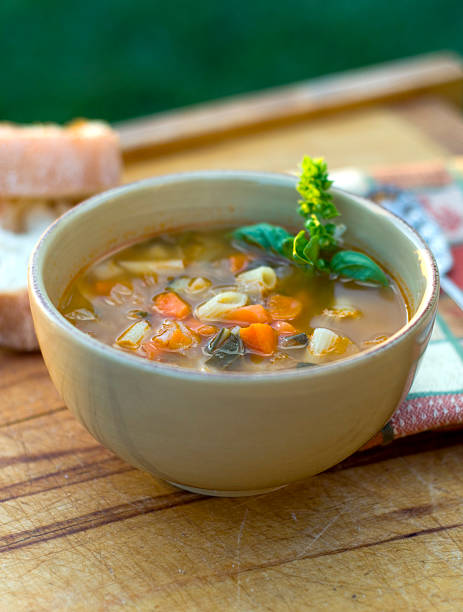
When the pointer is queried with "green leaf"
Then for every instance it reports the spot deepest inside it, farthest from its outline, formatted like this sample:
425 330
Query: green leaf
305 252
267 236
357 266
312 249
299 244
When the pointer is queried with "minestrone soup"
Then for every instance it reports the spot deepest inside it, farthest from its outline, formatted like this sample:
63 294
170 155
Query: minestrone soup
199 300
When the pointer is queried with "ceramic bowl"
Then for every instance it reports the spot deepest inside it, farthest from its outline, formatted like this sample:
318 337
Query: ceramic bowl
224 433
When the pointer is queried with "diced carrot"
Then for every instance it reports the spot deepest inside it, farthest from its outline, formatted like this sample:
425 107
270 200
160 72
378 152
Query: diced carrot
284 307
103 287
206 330
255 313
238 262
173 336
260 338
283 327
170 305
152 351
201 328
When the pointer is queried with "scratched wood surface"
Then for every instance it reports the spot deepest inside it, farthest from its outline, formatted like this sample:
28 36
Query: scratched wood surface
81 529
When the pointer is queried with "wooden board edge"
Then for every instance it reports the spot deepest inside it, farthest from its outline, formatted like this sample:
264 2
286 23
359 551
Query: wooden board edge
439 74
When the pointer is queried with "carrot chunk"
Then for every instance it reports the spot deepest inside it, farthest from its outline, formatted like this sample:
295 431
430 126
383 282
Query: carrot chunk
283 327
201 328
238 262
206 330
170 305
152 351
260 338
255 313
284 307
173 336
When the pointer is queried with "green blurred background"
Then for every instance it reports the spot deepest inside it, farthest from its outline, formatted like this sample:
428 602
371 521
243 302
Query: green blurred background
116 59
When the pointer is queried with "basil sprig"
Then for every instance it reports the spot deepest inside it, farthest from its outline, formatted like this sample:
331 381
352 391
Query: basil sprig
315 248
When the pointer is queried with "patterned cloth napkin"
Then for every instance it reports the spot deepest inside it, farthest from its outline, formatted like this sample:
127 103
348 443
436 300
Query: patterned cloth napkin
435 400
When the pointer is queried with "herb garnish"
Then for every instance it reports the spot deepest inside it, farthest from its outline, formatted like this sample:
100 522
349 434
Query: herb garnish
317 247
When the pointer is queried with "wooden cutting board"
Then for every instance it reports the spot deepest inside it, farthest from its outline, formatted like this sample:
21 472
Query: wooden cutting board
81 529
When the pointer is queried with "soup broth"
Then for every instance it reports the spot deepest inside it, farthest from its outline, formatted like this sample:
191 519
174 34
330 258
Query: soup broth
199 300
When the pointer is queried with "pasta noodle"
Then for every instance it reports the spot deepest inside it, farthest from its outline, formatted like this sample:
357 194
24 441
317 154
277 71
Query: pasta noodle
190 285
140 267
218 306
180 284
257 281
133 335
198 284
325 344
168 265
105 270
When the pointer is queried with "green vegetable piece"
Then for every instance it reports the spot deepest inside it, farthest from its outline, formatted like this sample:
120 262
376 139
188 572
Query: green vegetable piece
267 236
295 341
357 266
216 341
227 353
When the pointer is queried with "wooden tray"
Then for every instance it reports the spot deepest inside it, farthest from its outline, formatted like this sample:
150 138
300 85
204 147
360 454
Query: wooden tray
80 529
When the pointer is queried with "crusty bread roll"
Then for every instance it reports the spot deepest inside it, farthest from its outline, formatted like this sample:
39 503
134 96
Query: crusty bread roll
44 170
54 162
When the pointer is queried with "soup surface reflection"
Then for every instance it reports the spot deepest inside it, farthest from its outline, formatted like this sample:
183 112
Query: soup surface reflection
198 300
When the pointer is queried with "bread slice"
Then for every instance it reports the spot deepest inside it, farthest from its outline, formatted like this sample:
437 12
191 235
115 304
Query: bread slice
49 161
44 170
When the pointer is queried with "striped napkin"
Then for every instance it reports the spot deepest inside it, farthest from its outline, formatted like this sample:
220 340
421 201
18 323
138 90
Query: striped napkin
435 400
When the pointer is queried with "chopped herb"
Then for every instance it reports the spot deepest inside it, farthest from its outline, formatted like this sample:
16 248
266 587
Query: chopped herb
304 364
317 247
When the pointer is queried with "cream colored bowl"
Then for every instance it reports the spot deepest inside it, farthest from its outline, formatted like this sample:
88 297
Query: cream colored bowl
224 433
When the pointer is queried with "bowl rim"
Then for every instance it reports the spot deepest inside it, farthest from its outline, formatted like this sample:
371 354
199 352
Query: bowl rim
37 290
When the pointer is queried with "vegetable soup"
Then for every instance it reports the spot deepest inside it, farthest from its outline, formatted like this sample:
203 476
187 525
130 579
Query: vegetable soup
211 301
